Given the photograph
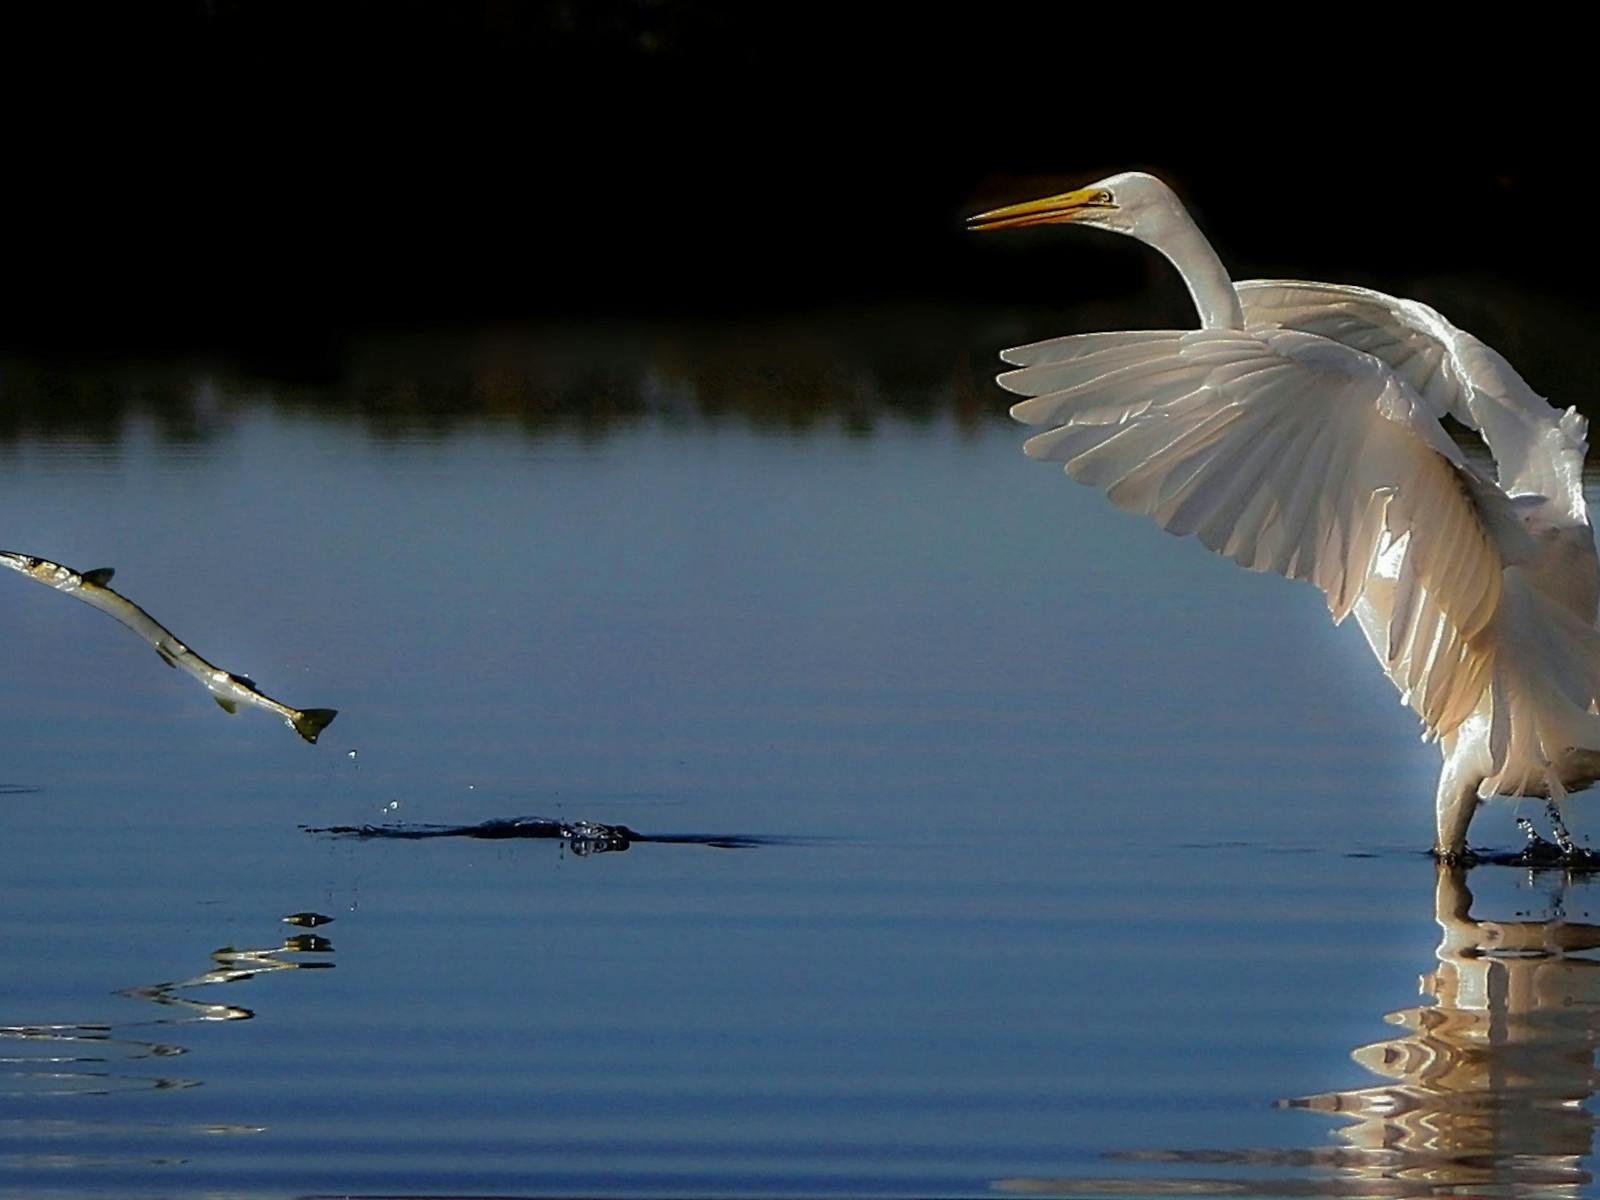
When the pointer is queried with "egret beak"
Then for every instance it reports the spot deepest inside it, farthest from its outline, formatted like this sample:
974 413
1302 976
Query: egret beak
1068 206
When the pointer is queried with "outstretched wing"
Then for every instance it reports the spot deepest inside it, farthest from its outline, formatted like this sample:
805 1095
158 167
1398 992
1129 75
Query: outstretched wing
1410 338
1537 450
1290 453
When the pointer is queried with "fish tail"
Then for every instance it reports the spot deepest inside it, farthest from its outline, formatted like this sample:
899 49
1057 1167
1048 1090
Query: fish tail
311 721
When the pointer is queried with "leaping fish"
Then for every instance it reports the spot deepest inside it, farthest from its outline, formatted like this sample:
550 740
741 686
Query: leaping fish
228 690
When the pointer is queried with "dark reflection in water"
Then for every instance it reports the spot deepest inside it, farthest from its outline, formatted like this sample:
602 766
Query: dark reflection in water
842 372
1486 1090
581 837
837 369
69 1059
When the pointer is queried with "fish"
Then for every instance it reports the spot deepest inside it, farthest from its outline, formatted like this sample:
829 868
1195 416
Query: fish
228 690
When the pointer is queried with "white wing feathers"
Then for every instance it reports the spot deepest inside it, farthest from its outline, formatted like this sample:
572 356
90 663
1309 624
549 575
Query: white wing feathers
1536 451
1403 334
1544 688
1290 453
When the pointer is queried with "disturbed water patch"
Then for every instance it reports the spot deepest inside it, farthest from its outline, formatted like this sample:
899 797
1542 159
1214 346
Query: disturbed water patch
581 837
1538 853
76 1058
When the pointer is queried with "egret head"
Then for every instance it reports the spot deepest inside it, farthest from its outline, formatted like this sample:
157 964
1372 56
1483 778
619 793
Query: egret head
1133 203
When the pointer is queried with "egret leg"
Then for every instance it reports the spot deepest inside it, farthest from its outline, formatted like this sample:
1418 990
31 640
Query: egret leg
1454 807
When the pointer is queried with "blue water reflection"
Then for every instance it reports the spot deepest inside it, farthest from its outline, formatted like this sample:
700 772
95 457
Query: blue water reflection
1050 875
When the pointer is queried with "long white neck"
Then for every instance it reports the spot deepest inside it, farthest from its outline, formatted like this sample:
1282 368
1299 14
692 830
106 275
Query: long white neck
1185 247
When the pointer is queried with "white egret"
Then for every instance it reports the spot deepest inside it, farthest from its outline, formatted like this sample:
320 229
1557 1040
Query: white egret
1298 431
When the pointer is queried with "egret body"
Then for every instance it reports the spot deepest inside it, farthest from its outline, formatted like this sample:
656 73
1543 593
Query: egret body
1298 431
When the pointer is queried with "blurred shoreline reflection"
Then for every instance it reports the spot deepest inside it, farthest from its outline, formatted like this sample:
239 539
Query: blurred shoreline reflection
845 372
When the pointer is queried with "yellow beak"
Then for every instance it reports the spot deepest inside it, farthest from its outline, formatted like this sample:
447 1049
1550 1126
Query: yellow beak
1068 206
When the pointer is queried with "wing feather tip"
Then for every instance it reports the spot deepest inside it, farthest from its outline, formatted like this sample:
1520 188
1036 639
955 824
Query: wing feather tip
1008 380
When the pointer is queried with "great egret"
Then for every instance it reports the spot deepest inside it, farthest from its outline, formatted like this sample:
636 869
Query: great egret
1298 431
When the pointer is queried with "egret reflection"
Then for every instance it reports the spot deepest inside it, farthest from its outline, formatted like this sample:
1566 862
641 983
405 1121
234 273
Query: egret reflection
1485 1090
1488 1084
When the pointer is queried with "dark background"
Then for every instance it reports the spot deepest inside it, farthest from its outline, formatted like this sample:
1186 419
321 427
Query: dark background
272 179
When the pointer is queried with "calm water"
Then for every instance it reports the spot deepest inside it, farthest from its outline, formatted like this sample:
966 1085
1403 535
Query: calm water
1085 861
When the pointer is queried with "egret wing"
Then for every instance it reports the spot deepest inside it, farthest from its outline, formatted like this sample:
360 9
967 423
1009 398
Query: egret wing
1290 453
1537 450
1410 338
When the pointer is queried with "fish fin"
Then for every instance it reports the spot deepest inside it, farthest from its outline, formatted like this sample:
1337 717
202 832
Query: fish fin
161 652
228 706
245 681
100 576
312 721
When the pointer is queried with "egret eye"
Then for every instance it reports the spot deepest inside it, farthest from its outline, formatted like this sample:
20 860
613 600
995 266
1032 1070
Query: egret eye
1102 197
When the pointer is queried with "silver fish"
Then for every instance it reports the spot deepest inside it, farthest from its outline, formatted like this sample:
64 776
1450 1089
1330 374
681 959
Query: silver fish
228 690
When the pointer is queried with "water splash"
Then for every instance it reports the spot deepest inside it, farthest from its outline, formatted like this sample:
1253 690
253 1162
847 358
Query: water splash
581 837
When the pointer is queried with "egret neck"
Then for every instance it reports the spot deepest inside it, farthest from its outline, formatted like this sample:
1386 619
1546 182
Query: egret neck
1179 239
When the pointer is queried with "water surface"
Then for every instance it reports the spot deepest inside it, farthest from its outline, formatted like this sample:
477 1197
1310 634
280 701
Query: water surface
1078 860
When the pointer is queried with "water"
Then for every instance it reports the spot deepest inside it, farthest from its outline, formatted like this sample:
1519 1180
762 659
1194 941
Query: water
1067 858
